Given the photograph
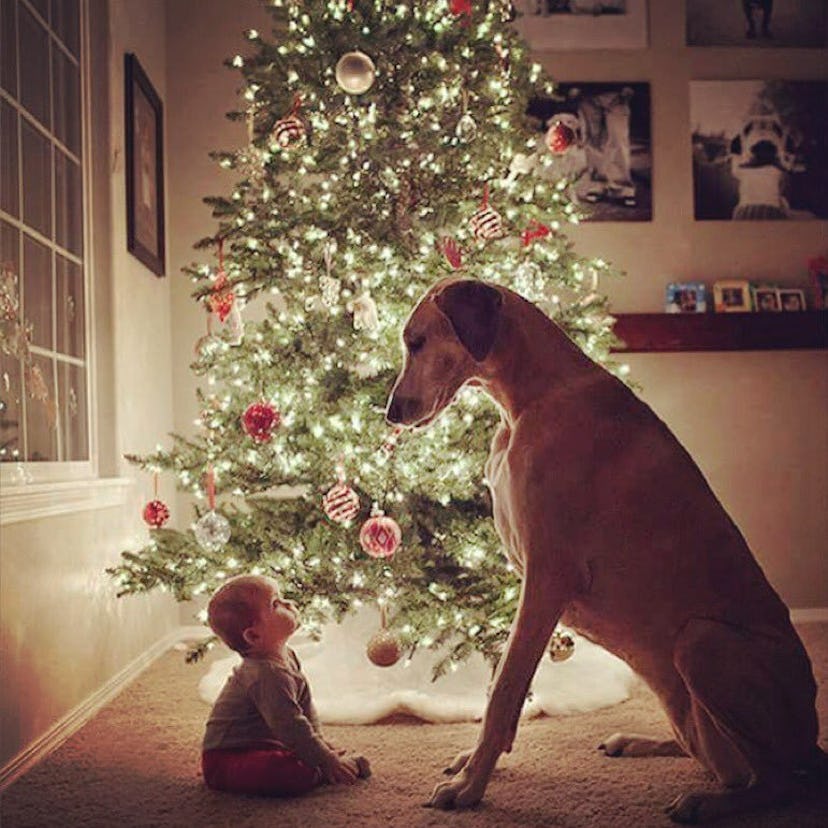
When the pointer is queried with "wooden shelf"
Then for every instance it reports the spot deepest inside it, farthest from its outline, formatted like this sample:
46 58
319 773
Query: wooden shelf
665 332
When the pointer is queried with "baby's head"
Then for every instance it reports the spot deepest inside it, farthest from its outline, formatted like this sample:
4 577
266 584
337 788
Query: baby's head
249 615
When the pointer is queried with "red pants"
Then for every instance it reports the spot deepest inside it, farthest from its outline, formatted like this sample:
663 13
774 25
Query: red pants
265 771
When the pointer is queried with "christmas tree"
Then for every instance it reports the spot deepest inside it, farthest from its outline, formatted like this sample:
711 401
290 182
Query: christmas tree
389 148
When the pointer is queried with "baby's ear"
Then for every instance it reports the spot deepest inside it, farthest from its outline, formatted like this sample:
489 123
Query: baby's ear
250 636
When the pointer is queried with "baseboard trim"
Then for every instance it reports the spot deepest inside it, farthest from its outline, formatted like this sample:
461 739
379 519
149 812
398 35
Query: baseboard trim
809 615
82 713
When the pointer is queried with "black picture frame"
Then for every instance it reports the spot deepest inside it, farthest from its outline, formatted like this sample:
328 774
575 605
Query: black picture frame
144 122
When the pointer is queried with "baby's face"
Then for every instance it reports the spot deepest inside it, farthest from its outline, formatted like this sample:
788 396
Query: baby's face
278 619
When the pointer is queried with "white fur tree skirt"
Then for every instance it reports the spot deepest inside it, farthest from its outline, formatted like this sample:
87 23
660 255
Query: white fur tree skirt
348 689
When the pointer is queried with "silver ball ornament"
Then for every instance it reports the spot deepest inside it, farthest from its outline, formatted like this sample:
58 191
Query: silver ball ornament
211 531
355 72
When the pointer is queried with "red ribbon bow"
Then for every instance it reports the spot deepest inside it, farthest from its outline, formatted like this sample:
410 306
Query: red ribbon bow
535 230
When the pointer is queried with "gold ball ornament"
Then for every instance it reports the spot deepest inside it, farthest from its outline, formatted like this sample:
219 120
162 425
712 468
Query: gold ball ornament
384 649
355 72
561 646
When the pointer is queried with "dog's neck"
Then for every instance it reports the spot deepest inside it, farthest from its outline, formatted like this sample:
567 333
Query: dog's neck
532 358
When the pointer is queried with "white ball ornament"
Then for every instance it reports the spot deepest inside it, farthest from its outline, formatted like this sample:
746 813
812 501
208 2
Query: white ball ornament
211 531
355 72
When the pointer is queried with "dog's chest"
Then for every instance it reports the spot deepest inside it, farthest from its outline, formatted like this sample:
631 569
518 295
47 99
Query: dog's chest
498 477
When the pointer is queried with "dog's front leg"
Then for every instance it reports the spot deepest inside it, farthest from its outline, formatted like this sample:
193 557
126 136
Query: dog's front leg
540 607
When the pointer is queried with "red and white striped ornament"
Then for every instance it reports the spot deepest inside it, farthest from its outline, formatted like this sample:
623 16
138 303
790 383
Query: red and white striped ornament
341 503
486 223
380 535
290 130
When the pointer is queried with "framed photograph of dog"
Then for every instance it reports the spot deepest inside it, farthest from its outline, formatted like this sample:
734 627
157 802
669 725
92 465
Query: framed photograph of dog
553 25
609 162
732 296
760 150
758 23
791 299
765 298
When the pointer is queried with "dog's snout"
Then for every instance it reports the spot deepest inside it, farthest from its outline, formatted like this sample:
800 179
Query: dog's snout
394 413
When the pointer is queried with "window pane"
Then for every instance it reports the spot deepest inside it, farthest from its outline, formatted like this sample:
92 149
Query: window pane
72 389
67 100
41 419
37 291
69 310
9 160
37 173
34 66
8 47
68 204
11 433
66 23
9 247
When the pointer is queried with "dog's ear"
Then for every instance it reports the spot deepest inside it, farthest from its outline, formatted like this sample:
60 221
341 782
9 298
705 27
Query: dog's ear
736 145
473 308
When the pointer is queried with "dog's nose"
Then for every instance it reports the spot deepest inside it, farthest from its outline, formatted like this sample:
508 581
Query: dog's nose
394 413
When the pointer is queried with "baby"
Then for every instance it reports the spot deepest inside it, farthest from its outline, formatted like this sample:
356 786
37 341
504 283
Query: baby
263 734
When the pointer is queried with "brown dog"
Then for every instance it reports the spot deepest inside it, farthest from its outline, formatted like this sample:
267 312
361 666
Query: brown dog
616 532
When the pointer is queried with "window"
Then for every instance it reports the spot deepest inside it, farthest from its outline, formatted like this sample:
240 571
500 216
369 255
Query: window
44 358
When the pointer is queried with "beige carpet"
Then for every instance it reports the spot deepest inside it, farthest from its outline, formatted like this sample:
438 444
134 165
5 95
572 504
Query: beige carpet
136 764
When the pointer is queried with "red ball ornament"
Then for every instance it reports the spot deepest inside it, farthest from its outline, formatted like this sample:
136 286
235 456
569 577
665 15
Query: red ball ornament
260 420
341 503
156 513
380 536
559 138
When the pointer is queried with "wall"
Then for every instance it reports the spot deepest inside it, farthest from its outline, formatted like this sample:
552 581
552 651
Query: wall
63 633
755 422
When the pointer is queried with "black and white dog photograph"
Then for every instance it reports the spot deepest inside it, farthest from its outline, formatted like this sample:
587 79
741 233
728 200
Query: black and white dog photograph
758 23
582 24
609 160
760 149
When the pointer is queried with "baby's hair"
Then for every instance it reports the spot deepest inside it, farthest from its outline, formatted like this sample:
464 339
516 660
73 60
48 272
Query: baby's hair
234 607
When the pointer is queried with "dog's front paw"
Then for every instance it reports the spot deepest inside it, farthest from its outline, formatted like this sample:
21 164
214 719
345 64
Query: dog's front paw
458 793
458 763
616 744
687 809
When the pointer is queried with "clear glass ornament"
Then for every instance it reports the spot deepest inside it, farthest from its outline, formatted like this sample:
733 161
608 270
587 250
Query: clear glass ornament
211 531
355 73
466 129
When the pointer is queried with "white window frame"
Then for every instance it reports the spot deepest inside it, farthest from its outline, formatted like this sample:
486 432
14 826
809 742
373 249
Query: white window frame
32 490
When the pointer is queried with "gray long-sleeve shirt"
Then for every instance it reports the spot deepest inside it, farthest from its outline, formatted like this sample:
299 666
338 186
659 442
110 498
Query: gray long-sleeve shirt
267 702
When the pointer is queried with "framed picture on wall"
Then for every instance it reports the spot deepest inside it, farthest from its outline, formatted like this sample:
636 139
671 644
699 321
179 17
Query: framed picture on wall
144 129
609 163
582 24
758 23
760 149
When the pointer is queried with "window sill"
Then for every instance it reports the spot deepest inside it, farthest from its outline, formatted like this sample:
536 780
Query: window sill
43 500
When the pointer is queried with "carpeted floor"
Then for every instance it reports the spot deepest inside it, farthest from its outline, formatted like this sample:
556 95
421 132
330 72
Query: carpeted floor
136 764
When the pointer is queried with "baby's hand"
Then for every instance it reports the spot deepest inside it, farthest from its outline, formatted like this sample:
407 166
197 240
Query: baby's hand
359 764
336 771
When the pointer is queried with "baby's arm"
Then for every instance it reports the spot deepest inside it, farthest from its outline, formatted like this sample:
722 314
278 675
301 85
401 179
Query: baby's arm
274 698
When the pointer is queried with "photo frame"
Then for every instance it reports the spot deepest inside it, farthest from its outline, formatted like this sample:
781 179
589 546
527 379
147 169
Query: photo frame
760 150
732 296
553 25
766 298
758 24
791 299
818 271
686 297
609 163
144 133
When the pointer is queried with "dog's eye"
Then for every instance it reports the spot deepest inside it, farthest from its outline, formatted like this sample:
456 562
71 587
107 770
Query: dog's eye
416 344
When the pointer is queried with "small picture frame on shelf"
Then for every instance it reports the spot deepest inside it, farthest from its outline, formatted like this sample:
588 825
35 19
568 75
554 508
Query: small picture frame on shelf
766 298
732 296
791 299
818 269
686 297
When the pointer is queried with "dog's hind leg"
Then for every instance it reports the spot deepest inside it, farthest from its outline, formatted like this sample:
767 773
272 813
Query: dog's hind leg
633 745
751 719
